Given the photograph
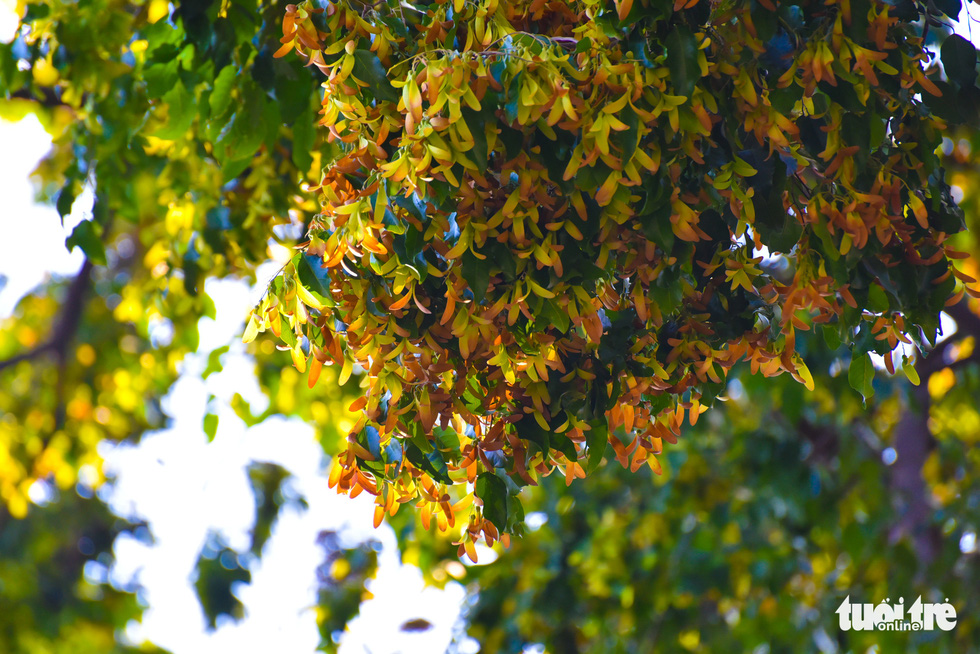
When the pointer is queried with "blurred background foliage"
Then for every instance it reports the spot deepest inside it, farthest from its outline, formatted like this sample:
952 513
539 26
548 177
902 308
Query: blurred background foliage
775 507
769 514
54 569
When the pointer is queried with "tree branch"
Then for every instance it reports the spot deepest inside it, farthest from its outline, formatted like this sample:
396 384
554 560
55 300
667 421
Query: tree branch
914 441
67 323
33 353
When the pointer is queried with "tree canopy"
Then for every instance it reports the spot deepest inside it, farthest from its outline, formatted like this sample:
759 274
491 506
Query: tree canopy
525 238
542 235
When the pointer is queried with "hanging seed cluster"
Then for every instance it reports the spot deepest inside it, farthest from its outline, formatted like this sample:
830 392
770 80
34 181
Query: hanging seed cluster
556 226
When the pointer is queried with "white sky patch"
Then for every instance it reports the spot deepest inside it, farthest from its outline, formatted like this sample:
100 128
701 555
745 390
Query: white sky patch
968 25
186 487
9 20
33 243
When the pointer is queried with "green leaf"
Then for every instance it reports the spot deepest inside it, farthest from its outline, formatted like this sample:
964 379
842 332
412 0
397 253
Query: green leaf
493 492
292 94
181 111
288 336
211 425
877 299
786 236
303 139
564 445
160 78
437 467
191 268
476 121
447 439
959 59
656 227
682 60
667 292
221 95
529 430
861 374
831 335
368 68
784 99
214 362
66 198
243 410
86 236
829 247
556 316
596 438
271 120
232 168
432 463
315 278
512 140
243 135
951 8
419 438
476 272
628 139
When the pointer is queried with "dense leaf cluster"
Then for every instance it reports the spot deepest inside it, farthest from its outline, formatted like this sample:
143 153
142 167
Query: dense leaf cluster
555 227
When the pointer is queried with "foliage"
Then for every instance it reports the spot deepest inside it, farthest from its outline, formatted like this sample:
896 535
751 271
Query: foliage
50 589
529 239
768 514
219 568
183 127
172 208
770 511
543 232
341 588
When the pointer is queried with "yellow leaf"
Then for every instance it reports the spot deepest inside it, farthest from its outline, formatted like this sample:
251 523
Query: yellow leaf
919 210
624 8
315 367
909 369
617 105
158 9
804 374
743 169
345 372
400 302
299 359
45 74
307 298
470 548
605 193
539 290
251 330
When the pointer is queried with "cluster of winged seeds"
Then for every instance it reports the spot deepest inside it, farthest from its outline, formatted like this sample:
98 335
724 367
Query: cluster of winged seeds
544 239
